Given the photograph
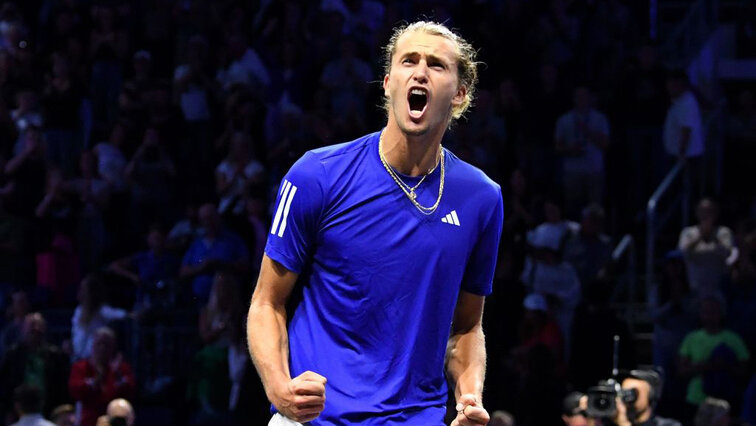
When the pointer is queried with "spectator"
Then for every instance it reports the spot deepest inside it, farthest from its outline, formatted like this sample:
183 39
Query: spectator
538 328
346 79
111 161
220 366
648 388
713 412
548 274
92 314
217 249
64 415
27 400
152 271
26 171
581 138
93 195
17 311
26 114
150 172
244 66
673 318
589 250
502 418
186 229
119 411
253 227
516 224
706 247
100 378
545 103
712 357
683 128
33 361
61 100
749 402
573 414
235 174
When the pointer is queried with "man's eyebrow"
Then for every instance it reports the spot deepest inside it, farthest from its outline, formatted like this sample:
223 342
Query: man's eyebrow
431 57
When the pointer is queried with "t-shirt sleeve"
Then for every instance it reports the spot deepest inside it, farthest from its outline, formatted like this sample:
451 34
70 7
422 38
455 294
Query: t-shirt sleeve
738 346
686 348
481 265
689 113
297 213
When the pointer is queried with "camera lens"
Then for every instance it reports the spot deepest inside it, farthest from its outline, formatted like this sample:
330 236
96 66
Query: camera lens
602 403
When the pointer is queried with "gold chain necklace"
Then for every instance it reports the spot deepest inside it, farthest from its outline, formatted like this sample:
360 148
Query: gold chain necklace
410 191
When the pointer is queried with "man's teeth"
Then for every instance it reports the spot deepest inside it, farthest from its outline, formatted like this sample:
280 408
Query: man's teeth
417 92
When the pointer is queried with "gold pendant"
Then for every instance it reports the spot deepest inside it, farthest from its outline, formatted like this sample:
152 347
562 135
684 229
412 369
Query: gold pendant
413 196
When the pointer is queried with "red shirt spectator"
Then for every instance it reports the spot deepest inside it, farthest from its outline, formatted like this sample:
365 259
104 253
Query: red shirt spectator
97 380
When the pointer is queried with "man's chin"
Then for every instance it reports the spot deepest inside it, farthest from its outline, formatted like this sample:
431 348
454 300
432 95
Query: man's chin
410 128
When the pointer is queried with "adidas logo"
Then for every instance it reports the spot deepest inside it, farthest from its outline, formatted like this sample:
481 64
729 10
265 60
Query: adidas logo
451 218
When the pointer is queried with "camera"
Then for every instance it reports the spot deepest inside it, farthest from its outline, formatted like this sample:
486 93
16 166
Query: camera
602 399
117 421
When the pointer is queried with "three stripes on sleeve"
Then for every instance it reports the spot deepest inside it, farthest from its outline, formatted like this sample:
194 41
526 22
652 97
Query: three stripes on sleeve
282 212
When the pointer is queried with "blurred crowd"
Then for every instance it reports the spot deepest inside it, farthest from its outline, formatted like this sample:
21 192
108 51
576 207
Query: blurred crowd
142 142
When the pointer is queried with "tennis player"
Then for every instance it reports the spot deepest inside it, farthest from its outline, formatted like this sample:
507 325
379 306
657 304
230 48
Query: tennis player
394 240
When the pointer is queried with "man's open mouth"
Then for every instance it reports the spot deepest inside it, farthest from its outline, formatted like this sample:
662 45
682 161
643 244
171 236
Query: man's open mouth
418 100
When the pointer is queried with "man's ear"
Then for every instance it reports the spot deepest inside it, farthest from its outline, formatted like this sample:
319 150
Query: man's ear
459 97
386 85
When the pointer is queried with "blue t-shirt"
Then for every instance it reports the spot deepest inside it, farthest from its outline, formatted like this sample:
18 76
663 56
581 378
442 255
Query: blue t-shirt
380 278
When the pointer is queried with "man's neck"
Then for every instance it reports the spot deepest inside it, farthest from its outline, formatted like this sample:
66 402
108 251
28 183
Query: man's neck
412 155
642 417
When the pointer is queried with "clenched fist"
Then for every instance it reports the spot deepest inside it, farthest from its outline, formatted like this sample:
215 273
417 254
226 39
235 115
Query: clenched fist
470 412
301 399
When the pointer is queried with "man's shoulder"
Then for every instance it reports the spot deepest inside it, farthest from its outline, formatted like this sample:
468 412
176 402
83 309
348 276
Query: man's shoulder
345 149
661 421
473 178
316 162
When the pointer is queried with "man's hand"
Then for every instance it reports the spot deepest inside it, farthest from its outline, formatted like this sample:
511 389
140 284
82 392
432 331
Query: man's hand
301 399
470 412
620 419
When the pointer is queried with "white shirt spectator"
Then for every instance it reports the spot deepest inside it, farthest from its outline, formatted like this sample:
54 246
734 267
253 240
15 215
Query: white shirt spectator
111 164
570 133
684 112
82 335
249 70
33 420
559 281
193 100
231 200
706 260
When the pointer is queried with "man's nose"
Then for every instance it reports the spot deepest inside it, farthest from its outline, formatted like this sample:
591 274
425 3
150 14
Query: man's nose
421 72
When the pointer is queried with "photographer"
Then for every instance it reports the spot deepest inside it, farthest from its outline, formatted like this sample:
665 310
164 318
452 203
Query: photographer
628 401
647 385
119 413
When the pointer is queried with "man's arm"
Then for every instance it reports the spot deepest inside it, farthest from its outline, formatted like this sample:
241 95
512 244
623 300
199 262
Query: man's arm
466 359
302 398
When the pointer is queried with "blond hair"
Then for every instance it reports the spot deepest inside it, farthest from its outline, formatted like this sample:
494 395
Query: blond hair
467 66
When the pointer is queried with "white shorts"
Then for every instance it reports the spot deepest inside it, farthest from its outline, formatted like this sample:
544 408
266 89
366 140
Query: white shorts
279 420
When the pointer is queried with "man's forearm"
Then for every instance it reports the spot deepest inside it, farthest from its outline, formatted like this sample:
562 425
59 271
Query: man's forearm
466 362
269 344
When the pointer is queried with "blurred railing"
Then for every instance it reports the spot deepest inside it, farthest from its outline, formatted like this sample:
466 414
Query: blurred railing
628 280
